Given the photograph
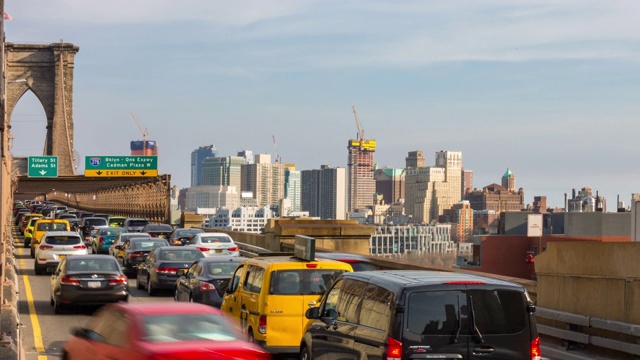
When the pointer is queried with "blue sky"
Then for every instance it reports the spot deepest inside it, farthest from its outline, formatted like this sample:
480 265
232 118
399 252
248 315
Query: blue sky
549 89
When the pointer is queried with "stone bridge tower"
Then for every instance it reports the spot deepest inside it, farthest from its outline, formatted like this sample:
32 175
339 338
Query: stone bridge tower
47 71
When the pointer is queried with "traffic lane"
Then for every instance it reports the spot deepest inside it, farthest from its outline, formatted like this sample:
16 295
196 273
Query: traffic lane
44 335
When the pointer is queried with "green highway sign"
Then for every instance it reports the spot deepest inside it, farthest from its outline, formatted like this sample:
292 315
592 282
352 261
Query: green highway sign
43 166
133 165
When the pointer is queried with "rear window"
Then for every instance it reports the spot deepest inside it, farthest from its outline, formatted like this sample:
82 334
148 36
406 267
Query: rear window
442 312
180 327
94 222
52 227
186 233
63 240
111 232
214 239
302 282
159 228
92 265
147 244
219 268
137 222
181 255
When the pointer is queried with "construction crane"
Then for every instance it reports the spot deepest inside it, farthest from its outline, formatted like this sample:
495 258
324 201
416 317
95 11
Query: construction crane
360 130
144 132
275 150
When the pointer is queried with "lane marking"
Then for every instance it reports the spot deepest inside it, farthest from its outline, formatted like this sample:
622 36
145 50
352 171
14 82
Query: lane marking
35 324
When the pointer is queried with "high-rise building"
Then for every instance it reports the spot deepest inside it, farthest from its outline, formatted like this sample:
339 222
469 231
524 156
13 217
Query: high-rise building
509 180
461 214
467 182
264 180
140 147
324 192
431 190
362 185
292 187
390 184
414 160
222 171
197 158
247 155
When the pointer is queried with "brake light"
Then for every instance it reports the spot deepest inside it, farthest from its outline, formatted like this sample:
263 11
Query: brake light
119 280
207 287
28 231
234 248
535 349
262 324
44 247
394 349
153 235
468 282
203 249
136 255
311 266
66 280
79 247
101 239
171 271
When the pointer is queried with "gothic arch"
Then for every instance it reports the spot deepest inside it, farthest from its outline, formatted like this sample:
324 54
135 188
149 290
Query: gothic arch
47 71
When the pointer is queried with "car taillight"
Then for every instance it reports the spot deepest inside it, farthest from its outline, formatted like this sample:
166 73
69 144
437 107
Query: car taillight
234 248
28 231
153 235
79 247
44 247
311 266
394 349
262 324
207 287
101 239
136 255
463 282
172 271
66 280
203 249
535 349
120 280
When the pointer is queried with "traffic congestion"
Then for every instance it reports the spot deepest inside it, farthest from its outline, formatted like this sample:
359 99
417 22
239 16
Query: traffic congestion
127 290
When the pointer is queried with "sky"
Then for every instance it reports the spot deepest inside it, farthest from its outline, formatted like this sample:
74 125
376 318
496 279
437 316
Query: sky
547 89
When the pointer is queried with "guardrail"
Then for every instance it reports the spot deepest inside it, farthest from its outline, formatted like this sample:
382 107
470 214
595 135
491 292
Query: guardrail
587 330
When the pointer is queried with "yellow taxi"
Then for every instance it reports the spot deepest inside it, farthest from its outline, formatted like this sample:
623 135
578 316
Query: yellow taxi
268 296
25 221
43 225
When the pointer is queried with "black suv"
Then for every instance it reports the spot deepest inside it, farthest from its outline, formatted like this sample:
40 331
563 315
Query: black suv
412 314
135 224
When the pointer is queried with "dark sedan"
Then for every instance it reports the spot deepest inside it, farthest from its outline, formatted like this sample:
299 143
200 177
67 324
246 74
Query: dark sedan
87 280
135 249
159 270
181 236
203 281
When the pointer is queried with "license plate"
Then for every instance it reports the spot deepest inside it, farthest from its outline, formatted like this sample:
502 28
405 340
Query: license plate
218 250
93 284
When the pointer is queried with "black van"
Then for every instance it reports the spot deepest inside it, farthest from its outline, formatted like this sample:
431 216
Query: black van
413 314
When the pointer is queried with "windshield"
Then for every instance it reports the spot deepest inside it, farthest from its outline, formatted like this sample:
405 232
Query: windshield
181 327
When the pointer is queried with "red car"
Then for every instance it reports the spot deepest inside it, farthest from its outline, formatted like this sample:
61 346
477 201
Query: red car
163 330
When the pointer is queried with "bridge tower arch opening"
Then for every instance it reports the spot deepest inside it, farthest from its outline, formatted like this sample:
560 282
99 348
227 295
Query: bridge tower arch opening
46 71
27 129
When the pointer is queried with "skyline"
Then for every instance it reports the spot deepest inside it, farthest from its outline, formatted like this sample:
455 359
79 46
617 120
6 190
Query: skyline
548 89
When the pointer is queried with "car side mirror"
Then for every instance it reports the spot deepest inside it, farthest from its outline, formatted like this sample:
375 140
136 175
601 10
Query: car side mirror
312 313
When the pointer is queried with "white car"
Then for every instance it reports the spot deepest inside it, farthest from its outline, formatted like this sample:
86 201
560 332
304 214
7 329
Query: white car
214 244
54 246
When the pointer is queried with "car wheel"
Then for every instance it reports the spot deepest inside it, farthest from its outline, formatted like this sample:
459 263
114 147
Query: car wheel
33 253
250 337
65 355
38 270
51 302
190 297
305 354
139 283
57 307
175 295
150 290
27 243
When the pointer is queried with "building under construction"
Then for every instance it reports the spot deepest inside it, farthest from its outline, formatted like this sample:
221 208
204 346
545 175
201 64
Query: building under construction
362 185
146 147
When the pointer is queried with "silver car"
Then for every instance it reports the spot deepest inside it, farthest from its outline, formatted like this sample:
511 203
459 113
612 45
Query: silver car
214 244
54 246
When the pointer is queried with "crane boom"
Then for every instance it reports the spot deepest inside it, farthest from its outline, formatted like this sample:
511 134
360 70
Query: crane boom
144 132
360 132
